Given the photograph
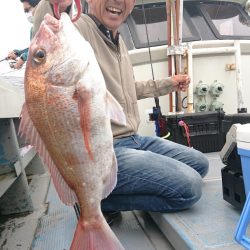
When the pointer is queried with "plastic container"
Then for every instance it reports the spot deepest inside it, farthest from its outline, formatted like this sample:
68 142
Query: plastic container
243 145
233 187
204 130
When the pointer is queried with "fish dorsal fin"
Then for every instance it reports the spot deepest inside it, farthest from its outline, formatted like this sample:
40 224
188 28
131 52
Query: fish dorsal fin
114 110
31 135
111 179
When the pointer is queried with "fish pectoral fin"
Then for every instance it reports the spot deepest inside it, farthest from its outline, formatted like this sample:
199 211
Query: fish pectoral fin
111 179
114 109
84 100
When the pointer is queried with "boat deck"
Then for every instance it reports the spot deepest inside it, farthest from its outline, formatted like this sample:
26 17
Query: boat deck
209 224
134 229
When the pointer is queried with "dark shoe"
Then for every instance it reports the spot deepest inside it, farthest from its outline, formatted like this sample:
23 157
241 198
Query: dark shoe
111 216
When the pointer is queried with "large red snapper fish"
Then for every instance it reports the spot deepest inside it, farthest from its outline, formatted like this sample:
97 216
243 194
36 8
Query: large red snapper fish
66 117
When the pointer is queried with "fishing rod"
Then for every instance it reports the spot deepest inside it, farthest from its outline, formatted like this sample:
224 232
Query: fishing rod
11 64
149 50
15 52
156 116
5 59
157 103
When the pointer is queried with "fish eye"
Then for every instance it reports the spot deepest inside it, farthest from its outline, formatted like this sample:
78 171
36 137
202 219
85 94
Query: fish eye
39 56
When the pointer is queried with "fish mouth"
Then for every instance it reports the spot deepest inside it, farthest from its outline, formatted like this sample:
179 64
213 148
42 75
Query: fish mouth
48 31
52 23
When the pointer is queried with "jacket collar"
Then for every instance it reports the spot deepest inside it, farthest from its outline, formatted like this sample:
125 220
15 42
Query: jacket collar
108 33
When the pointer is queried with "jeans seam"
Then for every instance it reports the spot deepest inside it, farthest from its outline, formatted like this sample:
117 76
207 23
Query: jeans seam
133 137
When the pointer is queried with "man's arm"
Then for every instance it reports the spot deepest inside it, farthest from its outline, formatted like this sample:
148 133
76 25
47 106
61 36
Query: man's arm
155 88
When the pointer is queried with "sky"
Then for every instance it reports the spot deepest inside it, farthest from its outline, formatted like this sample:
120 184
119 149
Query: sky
14 29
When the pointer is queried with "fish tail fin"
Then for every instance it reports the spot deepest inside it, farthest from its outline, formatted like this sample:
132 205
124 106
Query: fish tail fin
91 237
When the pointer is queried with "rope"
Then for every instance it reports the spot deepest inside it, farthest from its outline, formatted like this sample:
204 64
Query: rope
185 126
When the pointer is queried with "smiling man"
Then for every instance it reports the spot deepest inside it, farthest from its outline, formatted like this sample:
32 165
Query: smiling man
111 13
153 174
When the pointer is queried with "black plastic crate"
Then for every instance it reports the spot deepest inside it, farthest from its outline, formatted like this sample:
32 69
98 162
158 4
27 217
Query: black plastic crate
229 120
204 130
234 161
233 187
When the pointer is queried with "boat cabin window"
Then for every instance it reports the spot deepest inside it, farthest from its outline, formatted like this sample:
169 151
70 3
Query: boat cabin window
227 20
148 24
202 20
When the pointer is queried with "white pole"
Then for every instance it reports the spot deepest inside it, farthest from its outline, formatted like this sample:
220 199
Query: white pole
190 95
241 105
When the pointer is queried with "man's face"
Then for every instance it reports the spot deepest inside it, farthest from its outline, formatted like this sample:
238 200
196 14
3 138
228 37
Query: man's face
27 7
111 13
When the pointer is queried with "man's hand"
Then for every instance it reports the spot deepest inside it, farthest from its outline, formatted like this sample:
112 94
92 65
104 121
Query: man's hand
12 55
63 4
180 82
18 64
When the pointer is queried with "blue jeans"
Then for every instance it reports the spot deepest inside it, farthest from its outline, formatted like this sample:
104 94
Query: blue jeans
155 174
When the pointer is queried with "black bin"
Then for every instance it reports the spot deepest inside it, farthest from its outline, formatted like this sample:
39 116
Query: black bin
204 130
233 187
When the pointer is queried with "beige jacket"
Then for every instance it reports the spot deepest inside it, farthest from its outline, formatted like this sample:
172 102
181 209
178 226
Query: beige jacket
117 71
